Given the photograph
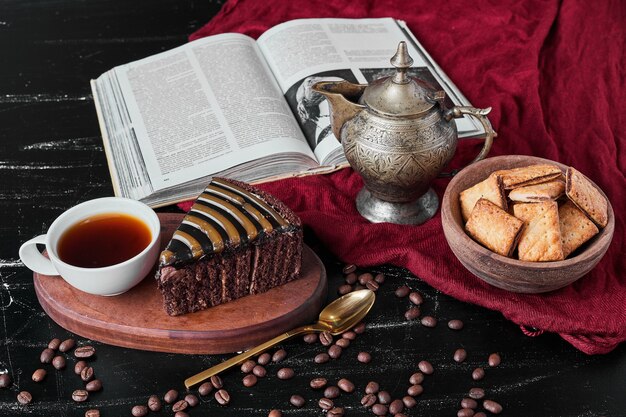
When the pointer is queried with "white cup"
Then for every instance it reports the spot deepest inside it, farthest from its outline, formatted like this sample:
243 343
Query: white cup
108 280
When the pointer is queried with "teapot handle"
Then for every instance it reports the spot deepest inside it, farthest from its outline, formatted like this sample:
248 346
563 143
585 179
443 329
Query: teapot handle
481 114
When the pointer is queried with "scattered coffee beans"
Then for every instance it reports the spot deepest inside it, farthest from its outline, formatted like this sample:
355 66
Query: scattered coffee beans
492 406
478 374
349 268
67 345
350 335
380 278
351 278
54 344
24 397
84 352
310 338
455 324
396 406
264 359
416 298
93 386
259 371
192 400
408 401
469 403
380 409
317 383
325 403
277 413
92 413
343 343
78 368
181 414
170 396
465 412
279 355
58 362
345 385
206 388
476 393
344 289
426 367
180 405
5 380
297 401
359 328
368 400
460 355
480 414
139 411
402 291
332 392
87 374
335 351
335 412
384 397
364 357
154 404
365 278
415 390
372 285
249 380
494 360
247 366
80 395
39 375
222 397
417 378
412 313
326 338
285 373
217 382
429 321
322 358
372 387
46 355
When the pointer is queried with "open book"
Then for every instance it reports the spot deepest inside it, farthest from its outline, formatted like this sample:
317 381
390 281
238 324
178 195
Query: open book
231 106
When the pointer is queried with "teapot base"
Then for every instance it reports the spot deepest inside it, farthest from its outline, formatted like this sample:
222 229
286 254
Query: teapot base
415 212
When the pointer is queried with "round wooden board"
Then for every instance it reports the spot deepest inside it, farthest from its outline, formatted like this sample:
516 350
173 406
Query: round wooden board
136 319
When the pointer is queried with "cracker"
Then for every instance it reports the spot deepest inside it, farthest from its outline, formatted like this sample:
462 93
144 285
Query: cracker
582 192
493 227
529 175
541 239
489 189
546 191
527 211
576 228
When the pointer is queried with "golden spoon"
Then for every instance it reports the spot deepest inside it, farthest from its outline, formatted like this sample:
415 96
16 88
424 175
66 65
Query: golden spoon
337 317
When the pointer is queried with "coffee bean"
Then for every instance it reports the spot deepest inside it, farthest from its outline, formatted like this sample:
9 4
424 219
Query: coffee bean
402 291
279 355
408 401
264 359
335 412
84 352
58 362
335 351
332 392
480 414
217 382
368 400
181 414
359 328
364 357
93 386
310 338
460 355
317 383
259 371
297 401
384 397
351 278
469 403
478 374
5 380
349 268
87 374
344 289
396 406
426 367
429 321
206 388
67 345
326 338
325 403
417 378
24 397
350 335
80 365
372 285
380 409
372 387
415 390
343 343
476 393
39 375
92 413
80 395
180 405
416 298
492 406
249 380
247 366
455 324
278 413
222 397
494 360
412 313
170 396
54 344
192 400
285 373
380 278
400 415
139 411
465 412
46 355
154 404
365 278
345 385
321 358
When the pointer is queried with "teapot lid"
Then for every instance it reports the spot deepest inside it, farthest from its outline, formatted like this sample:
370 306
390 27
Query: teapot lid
400 94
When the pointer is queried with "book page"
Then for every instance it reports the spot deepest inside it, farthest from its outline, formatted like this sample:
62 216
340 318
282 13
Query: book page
302 52
204 107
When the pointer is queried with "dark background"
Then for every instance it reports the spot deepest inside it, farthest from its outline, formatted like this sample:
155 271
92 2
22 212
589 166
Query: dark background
51 158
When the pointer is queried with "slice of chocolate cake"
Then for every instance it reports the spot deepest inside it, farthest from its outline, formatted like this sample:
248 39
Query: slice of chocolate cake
236 240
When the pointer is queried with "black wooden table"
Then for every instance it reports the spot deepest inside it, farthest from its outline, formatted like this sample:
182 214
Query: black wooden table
51 158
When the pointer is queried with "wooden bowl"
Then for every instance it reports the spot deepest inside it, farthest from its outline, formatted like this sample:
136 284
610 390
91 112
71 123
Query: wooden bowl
507 273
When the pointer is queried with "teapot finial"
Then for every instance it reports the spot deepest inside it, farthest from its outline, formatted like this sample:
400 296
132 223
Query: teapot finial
402 61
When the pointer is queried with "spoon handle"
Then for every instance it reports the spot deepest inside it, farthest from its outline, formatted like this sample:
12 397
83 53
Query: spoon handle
235 360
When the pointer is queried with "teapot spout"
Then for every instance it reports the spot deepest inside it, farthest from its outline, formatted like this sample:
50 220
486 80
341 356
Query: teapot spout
343 98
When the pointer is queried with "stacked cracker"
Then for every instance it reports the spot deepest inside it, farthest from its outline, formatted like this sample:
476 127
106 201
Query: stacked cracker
534 223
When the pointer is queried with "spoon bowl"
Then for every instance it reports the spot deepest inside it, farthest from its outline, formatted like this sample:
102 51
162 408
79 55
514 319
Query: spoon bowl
337 317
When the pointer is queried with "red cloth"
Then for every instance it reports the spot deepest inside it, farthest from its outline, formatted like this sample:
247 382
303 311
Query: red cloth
553 71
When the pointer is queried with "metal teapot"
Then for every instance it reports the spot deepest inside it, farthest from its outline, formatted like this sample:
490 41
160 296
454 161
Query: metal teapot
398 135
